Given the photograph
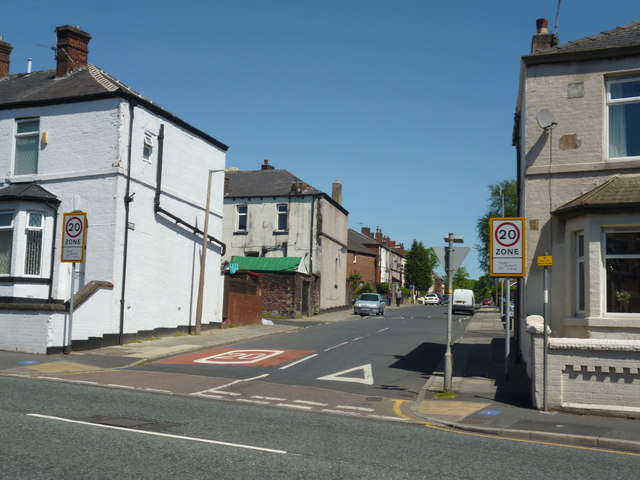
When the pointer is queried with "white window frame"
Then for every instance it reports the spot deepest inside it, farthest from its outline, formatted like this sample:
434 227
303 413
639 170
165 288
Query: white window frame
605 257
580 273
147 146
35 134
613 102
279 213
28 228
10 228
239 215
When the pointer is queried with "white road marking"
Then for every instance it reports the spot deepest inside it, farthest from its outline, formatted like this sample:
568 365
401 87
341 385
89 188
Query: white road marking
335 346
257 402
158 434
158 390
272 399
356 339
362 409
382 330
309 402
339 412
299 361
291 405
119 386
219 389
382 417
367 377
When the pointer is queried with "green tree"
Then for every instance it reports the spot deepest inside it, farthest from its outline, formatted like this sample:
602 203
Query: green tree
484 287
505 191
461 279
419 266
354 281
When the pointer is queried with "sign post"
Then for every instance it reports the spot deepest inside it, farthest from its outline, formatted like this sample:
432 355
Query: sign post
74 236
506 259
545 261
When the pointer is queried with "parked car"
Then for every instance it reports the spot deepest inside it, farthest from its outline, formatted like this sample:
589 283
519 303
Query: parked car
486 303
369 304
444 299
431 299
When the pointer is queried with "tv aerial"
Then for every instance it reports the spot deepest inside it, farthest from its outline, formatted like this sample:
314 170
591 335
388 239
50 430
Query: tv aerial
546 119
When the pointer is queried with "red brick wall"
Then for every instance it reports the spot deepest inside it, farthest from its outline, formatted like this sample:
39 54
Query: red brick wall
365 266
283 294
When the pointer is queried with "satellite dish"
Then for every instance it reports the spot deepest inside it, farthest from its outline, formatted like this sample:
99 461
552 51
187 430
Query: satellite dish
546 119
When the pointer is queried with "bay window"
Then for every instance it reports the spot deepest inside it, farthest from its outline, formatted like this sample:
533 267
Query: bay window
622 264
6 242
33 243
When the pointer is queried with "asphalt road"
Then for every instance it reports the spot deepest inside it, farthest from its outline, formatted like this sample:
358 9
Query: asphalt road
60 430
391 356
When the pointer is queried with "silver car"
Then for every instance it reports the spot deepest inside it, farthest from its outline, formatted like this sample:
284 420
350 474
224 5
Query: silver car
369 304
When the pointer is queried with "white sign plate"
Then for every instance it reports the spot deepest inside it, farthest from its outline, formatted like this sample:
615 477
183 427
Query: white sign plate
74 235
506 247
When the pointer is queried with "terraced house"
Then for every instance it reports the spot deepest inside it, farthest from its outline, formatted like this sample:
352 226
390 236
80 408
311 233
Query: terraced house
74 138
577 123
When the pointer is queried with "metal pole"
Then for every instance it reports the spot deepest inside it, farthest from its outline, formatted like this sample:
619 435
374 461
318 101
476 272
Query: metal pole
67 349
203 256
507 330
545 312
448 361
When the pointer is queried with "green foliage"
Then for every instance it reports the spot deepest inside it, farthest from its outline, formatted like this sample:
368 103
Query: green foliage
419 266
383 288
366 288
510 194
484 287
354 281
462 280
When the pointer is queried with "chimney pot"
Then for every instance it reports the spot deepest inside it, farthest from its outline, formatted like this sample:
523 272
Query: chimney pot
5 54
266 166
542 40
542 25
72 49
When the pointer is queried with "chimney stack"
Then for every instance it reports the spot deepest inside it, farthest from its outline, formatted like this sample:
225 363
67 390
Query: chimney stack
266 166
336 191
366 231
5 53
72 49
542 40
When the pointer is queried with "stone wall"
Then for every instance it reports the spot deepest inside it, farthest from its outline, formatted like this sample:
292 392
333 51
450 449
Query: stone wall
584 375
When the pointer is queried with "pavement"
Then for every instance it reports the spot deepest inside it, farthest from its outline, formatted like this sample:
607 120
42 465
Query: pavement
491 396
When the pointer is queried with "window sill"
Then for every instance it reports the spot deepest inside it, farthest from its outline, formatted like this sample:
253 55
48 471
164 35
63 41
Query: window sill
280 232
241 232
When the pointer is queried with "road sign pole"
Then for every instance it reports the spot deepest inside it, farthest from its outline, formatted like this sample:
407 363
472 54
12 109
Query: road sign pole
545 314
67 349
507 331
448 361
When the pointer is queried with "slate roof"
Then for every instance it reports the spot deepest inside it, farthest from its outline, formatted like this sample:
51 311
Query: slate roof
617 193
27 191
266 183
618 41
84 84
357 242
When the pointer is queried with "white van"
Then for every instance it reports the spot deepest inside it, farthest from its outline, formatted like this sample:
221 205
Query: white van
463 301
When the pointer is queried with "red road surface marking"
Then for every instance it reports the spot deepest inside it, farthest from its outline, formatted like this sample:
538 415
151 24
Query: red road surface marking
237 356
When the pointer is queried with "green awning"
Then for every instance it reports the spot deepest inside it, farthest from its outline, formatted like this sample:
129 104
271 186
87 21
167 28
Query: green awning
268 264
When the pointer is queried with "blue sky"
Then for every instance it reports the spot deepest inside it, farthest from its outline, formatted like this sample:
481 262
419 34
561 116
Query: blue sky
409 103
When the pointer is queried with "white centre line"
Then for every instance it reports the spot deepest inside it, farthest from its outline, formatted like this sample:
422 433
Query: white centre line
309 402
382 330
158 434
362 409
335 346
299 361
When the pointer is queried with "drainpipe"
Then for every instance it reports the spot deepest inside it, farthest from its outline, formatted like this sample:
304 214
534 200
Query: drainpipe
156 199
127 200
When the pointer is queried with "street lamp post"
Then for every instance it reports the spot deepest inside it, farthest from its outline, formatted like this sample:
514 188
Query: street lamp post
448 361
203 256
